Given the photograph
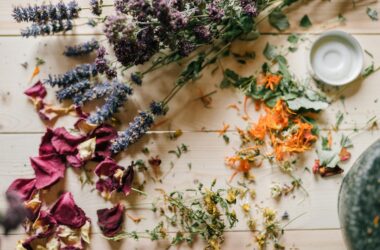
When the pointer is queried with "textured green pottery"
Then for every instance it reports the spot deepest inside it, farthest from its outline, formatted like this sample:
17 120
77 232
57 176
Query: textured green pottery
359 202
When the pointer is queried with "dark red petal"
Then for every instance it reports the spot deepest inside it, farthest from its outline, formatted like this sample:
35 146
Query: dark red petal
104 135
46 147
110 220
25 188
74 161
66 212
64 142
108 185
48 169
106 168
37 90
48 223
128 180
81 113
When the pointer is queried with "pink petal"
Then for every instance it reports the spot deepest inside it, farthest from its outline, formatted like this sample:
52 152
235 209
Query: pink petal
25 188
48 169
75 161
111 220
64 142
46 147
38 90
66 212
106 168
104 135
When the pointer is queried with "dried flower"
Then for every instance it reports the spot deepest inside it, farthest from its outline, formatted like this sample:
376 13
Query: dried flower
97 91
116 99
44 13
81 49
47 29
25 188
72 90
80 72
140 125
96 7
110 220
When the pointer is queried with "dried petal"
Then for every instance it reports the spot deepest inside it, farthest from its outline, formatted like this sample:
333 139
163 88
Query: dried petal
64 142
25 188
344 155
48 169
104 135
66 212
111 220
128 180
86 149
46 147
38 90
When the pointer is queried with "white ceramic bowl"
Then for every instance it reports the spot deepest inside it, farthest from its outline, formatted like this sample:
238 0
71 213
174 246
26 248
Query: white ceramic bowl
336 58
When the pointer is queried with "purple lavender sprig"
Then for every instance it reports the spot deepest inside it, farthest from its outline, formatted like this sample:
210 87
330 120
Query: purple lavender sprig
140 125
80 72
98 91
81 49
72 90
96 7
44 13
47 29
116 99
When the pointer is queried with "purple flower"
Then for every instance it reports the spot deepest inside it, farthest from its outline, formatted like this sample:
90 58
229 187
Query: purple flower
140 125
96 7
215 12
81 49
72 90
47 29
185 47
98 91
249 7
203 33
80 72
116 99
44 13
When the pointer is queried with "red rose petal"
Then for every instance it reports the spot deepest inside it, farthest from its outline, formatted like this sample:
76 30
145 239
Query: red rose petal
106 168
46 147
104 134
64 142
128 180
48 169
74 161
38 90
25 188
66 212
111 220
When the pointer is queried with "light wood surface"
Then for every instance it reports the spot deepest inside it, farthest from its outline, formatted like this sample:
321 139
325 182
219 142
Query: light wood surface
317 228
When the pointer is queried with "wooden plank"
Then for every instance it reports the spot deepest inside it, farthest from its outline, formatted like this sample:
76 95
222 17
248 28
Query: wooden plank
294 240
17 113
207 152
323 14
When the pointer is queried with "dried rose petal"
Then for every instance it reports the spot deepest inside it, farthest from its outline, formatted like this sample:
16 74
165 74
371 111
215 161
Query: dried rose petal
106 168
66 212
316 166
128 180
344 155
110 220
25 188
86 150
46 147
38 90
64 142
104 135
48 169
74 161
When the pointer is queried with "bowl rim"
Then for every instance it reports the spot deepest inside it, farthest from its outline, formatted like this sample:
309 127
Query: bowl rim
351 40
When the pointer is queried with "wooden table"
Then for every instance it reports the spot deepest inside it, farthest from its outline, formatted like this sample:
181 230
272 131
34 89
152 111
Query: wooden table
318 227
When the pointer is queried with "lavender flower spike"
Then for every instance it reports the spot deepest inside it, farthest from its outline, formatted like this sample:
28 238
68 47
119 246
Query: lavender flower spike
117 98
47 29
140 125
96 7
96 92
81 49
80 72
70 91
44 13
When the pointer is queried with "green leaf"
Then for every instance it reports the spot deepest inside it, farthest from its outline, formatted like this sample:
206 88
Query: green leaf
293 38
270 52
325 143
346 142
306 103
278 19
339 118
368 70
372 13
305 22
283 67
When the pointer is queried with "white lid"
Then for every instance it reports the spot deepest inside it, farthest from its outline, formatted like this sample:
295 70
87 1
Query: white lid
336 58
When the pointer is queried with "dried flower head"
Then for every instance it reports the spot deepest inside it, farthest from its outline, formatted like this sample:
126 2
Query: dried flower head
81 49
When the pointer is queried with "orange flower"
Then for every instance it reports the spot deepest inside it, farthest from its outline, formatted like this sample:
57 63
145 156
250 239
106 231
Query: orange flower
301 140
269 80
277 118
224 129
259 129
